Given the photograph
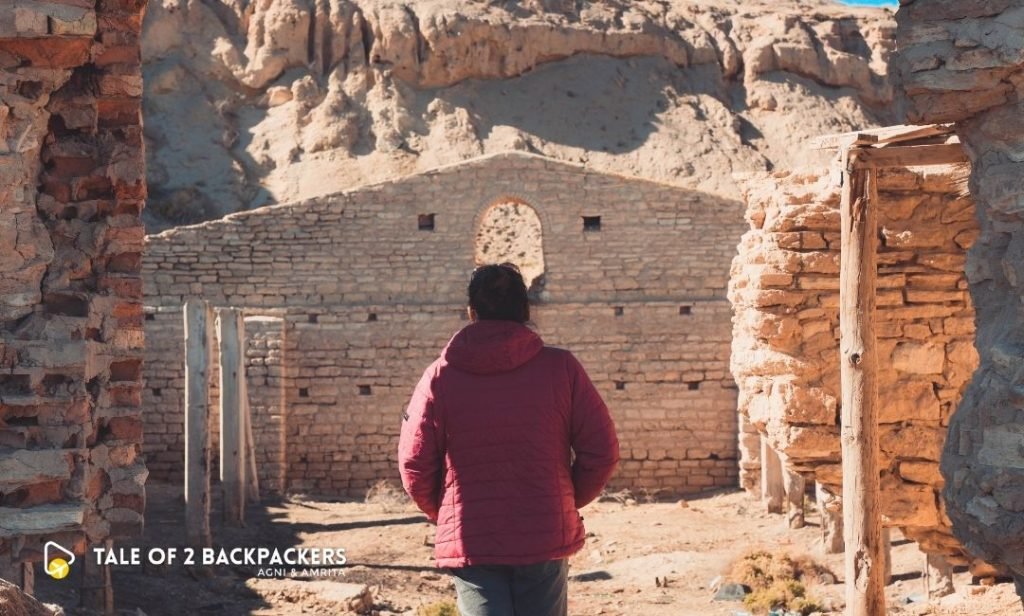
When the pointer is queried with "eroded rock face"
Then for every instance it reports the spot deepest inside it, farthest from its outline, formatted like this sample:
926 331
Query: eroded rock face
785 293
962 61
252 102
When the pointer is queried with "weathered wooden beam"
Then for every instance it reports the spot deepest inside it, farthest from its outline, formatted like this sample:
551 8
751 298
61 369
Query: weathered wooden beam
795 487
197 423
97 590
864 558
830 506
888 134
230 333
773 490
938 575
911 156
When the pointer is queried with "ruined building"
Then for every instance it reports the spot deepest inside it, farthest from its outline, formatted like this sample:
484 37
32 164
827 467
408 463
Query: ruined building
350 296
962 62
785 290
72 186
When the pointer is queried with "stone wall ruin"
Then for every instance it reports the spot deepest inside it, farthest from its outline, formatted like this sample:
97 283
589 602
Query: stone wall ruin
368 296
785 290
962 62
72 186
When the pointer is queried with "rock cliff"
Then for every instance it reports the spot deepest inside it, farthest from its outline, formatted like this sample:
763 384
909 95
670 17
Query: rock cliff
251 102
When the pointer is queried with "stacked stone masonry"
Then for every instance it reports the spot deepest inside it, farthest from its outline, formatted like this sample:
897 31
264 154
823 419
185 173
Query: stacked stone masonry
963 62
785 289
367 299
71 192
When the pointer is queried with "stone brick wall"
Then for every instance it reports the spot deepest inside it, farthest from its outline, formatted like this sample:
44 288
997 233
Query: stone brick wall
785 289
71 192
963 62
369 299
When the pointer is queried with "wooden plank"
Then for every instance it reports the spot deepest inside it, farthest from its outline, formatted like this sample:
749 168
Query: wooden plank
232 426
252 480
773 490
864 559
911 156
830 506
197 423
887 134
795 487
97 590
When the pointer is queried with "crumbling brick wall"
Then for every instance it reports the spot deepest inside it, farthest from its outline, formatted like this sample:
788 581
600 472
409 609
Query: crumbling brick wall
71 191
369 299
785 289
962 62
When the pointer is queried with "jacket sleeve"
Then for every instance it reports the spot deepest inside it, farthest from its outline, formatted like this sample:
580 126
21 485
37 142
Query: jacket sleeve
594 442
421 449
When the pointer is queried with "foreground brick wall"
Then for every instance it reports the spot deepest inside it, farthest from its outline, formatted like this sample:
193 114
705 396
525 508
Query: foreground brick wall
785 289
963 62
369 300
71 192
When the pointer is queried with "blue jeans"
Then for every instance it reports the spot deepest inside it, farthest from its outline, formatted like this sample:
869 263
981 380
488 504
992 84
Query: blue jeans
540 589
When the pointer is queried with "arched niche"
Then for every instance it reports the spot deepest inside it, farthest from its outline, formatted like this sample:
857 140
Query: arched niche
510 231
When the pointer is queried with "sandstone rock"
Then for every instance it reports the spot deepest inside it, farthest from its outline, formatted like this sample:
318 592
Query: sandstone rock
668 65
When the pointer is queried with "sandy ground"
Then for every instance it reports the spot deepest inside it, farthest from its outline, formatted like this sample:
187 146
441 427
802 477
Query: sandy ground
650 559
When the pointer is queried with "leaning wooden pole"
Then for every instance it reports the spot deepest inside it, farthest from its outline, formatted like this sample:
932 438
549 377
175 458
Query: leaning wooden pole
230 330
864 558
197 423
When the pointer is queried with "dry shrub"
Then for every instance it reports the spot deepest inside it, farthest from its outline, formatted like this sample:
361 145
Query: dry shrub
778 581
387 496
445 607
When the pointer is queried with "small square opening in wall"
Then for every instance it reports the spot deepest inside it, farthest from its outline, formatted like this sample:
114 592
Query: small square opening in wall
693 385
313 318
620 385
303 392
370 318
150 316
618 310
685 310
157 392
591 223
365 390
426 222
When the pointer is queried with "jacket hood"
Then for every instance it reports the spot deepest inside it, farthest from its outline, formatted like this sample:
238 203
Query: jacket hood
492 347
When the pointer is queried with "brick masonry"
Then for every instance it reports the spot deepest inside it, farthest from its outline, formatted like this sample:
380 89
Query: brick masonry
367 299
785 289
72 185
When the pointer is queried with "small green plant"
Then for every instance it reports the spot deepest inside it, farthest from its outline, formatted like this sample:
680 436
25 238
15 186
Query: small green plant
445 607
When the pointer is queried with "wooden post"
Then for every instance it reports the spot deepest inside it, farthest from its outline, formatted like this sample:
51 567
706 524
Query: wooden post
97 591
197 424
831 508
795 487
887 554
230 330
28 578
864 558
938 576
773 491
252 479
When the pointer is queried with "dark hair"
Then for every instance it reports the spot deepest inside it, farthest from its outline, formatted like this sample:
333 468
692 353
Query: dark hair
498 293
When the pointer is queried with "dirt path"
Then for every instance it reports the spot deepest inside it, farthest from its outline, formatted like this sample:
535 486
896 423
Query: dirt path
655 559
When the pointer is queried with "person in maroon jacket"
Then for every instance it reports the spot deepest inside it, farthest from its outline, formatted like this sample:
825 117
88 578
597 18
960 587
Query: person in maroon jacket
504 440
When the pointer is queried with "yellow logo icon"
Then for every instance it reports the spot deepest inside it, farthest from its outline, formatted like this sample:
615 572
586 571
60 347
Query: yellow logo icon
58 568
58 560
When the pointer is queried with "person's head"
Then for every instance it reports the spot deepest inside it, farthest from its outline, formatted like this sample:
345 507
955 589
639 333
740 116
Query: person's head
498 293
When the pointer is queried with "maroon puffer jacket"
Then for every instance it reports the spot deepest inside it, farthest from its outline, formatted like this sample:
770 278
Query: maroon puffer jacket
487 444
